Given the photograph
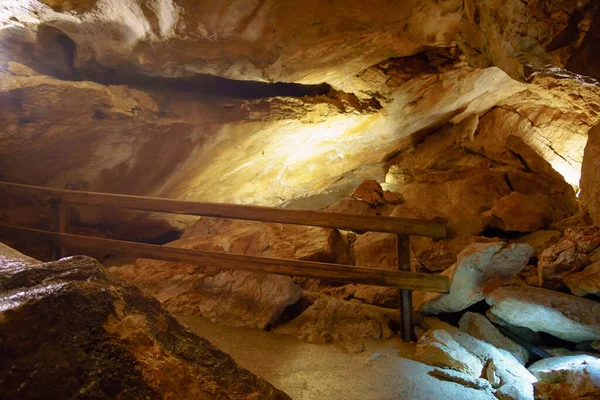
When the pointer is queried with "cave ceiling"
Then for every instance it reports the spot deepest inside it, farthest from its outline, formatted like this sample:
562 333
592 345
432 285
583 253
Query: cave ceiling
271 102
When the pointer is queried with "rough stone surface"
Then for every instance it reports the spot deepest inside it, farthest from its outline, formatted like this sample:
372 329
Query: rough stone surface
437 348
481 328
237 298
564 316
567 377
590 171
87 334
333 320
437 256
520 212
541 240
512 34
585 282
569 255
444 347
476 264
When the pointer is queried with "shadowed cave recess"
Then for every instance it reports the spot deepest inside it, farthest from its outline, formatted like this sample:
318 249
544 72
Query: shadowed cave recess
476 120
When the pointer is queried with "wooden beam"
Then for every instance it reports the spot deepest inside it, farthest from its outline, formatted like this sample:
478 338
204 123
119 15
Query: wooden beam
306 269
359 223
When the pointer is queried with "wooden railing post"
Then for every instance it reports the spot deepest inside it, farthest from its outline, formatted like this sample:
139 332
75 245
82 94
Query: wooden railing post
403 253
58 224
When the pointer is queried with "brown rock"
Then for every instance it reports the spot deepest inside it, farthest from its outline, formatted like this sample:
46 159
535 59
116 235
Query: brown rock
333 320
568 255
521 213
232 297
564 316
438 256
590 171
585 282
369 191
541 240
495 151
511 34
376 250
437 348
567 377
11 258
87 334
476 264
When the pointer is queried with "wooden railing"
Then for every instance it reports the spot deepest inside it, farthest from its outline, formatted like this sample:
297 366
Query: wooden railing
404 279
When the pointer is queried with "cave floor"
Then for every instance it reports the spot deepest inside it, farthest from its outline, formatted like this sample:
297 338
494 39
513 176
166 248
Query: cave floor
325 371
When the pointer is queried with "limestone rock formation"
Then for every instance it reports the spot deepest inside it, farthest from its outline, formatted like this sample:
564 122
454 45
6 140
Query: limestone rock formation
476 265
481 328
585 282
515 36
564 316
437 348
590 170
453 349
569 255
520 212
476 184
541 240
330 320
83 333
567 377
230 297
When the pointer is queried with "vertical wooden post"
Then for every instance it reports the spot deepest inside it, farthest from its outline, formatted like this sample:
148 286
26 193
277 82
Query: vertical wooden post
58 222
403 253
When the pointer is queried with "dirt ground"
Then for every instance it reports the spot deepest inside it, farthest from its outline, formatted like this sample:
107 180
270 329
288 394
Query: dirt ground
317 372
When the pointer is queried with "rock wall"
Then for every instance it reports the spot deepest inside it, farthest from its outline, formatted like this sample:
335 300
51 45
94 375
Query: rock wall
69 329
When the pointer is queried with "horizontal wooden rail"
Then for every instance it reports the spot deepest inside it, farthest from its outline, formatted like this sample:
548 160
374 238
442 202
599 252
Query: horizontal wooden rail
306 269
359 223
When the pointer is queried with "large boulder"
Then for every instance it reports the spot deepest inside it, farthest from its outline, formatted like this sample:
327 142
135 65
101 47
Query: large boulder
481 328
564 316
567 377
68 329
476 265
439 255
590 171
456 350
330 320
437 348
231 297
520 212
585 282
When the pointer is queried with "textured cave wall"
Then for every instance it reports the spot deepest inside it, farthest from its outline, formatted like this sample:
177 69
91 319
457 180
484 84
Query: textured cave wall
134 96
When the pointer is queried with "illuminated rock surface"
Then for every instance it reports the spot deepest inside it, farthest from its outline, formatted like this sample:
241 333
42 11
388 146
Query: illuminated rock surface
456 350
84 333
568 377
481 328
471 112
585 282
590 188
564 316
477 264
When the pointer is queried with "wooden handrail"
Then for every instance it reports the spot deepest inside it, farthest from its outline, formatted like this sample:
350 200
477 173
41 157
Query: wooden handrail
402 227
277 266
360 223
